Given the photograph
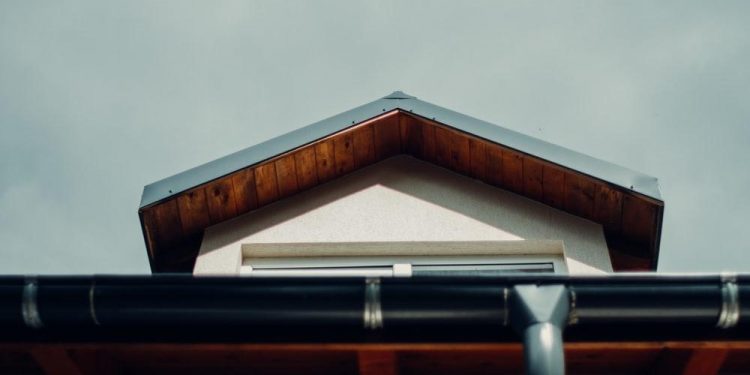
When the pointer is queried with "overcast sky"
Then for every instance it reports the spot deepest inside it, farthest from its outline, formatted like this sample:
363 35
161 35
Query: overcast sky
99 99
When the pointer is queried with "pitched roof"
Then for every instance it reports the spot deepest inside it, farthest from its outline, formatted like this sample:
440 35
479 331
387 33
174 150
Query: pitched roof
625 202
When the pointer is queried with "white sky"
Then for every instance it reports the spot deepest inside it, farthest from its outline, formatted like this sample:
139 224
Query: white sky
99 99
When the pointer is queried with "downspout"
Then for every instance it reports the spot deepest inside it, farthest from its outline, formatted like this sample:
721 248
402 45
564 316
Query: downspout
539 314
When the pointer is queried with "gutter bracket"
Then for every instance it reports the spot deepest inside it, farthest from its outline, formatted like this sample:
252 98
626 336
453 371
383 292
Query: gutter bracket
539 314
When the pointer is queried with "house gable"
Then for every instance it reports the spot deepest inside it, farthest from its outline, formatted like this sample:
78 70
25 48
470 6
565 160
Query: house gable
175 212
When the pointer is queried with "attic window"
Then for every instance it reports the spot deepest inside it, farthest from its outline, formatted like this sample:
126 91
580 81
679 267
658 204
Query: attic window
402 259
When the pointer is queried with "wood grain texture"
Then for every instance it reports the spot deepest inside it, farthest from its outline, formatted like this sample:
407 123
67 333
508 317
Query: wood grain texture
306 167
325 160
286 176
220 198
608 208
344 153
55 361
404 129
579 195
705 361
494 165
387 137
266 184
429 148
364 146
513 171
553 186
442 147
193 208
166 215
377 362
478 159
638 220
533 177
245 193
460 153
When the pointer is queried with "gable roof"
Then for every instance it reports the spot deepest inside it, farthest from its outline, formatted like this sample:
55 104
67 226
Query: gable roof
175 210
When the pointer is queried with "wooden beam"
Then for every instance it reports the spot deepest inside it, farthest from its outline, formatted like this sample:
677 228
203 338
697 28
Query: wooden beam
55 361
705 361
377 362
698 361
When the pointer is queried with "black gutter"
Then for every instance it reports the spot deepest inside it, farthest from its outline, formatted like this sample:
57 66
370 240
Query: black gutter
198 309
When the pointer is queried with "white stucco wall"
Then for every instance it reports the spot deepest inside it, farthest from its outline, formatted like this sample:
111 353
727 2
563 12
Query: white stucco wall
404 199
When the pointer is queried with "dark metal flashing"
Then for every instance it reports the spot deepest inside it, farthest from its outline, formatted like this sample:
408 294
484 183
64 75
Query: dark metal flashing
605 171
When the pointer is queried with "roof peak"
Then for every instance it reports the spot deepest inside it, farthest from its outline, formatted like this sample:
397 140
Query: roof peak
399 95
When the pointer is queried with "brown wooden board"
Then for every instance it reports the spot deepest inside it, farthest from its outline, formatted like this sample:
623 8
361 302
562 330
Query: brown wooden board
553 186
442 147
364 146
478 158
688 357
638 220
325 160
608 208
494 165
429 147
220 198
513 171
344 153
460 153
193 209
579 195
386 136
286 175
245 194
266 184
533 177
306 167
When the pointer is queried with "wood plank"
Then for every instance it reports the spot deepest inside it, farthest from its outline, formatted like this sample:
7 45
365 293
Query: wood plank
266 184
608 208
494 164
404 128
533 177
705 361
442 147
460 153
377 362
286 176
478 159
305 165
55 361
220 198
95 361
553 186
513 171
428 141
325 160
364 146
167 219
623 261
387 142
579 195
638 220
343 153
413 135
245 193
193 209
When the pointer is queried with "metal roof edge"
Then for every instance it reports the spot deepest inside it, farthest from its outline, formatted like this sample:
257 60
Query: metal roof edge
612 173
171 186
